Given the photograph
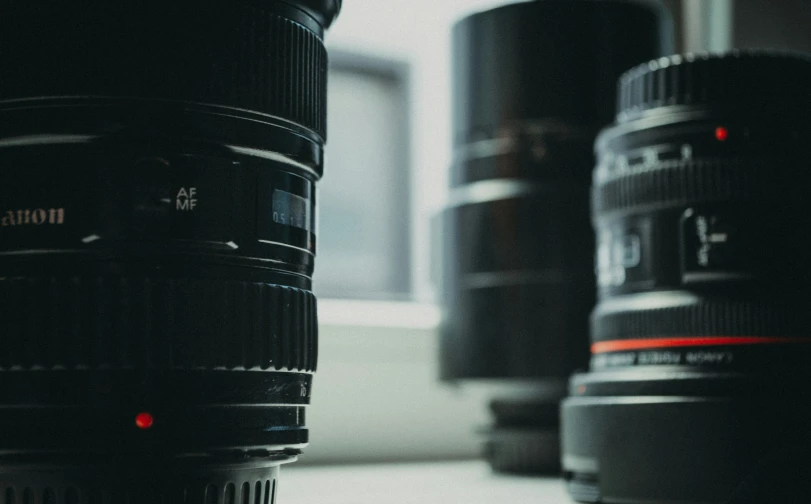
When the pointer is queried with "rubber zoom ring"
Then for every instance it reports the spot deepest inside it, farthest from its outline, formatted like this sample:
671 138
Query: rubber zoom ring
232 54
704 318
674 183
164 323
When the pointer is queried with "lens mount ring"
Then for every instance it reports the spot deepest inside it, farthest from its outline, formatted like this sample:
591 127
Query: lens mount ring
142 480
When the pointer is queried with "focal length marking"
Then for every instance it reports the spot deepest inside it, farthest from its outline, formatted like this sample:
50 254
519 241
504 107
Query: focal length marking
32 217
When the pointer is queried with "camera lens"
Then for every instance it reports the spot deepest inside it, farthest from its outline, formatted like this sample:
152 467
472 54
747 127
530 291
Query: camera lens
159 162
533 82
698 382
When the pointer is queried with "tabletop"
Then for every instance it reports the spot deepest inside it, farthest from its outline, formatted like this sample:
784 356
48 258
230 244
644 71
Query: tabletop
468 482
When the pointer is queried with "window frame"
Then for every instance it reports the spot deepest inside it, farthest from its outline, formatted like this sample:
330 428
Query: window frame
398 73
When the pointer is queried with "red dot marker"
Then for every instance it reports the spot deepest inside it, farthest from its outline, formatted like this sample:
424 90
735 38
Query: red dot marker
721 133
144 420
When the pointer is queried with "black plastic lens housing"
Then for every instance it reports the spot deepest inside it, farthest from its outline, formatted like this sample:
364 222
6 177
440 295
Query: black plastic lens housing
157 236
533 83
698 390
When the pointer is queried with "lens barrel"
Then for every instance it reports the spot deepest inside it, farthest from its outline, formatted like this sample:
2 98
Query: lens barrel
532 84
157 237
698 387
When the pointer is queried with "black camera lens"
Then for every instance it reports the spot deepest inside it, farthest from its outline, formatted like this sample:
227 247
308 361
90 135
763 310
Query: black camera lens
533 83
698 390
157 327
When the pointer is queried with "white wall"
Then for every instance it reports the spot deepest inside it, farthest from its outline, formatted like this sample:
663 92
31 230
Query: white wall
416 32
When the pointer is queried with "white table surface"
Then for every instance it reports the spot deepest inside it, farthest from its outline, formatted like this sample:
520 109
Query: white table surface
426 483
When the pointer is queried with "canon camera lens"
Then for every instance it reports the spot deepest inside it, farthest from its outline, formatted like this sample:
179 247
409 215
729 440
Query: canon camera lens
699 384
533 83
157 325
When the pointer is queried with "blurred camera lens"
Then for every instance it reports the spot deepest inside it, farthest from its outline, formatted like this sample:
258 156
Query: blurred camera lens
159 162
532 82
698 387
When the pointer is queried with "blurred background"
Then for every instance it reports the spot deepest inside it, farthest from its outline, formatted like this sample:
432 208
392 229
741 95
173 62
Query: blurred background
377 396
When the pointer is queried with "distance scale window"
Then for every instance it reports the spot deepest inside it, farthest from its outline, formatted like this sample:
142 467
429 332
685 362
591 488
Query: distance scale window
291 210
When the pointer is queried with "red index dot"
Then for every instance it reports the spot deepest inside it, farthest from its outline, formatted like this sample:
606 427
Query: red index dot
144 420
721 133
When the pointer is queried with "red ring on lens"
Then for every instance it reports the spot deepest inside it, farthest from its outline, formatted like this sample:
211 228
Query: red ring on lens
693 341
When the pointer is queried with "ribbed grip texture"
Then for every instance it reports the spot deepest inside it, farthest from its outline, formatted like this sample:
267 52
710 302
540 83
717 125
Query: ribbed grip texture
754 80
259 492
705 318
684 182
228 484
233 54
112 322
